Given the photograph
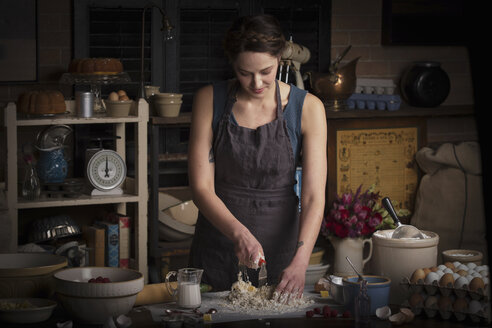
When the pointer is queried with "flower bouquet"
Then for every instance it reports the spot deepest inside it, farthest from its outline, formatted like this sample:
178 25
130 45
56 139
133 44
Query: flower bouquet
356 215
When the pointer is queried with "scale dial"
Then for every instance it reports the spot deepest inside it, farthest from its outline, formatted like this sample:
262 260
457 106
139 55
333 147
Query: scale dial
106 170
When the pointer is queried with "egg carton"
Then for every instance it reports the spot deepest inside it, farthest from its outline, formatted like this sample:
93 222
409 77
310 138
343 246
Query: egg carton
374 101
376 86
432 306
434 288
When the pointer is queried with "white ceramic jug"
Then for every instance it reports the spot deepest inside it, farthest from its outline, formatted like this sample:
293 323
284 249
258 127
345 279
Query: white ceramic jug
354 249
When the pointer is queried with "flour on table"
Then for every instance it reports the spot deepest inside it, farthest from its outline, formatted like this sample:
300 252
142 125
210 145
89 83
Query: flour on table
246 298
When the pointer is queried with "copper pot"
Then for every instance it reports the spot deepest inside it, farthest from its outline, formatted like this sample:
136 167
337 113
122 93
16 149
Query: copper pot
334 88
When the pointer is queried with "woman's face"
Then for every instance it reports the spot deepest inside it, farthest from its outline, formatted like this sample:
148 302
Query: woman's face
256 72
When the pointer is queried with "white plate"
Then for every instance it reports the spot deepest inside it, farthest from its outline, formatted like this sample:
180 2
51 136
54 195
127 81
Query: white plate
41 310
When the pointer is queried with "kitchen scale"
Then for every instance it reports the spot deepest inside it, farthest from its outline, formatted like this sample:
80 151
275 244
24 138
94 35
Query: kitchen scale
105 170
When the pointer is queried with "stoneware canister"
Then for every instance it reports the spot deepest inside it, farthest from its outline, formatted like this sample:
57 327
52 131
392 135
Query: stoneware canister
399 258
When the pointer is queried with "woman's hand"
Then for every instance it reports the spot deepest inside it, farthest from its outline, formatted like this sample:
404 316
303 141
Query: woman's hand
247 248
291 283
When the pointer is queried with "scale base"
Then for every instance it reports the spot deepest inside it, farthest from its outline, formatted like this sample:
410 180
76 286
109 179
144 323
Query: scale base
112 192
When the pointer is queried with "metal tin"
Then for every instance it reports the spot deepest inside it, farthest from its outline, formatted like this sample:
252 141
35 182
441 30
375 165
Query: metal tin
84 103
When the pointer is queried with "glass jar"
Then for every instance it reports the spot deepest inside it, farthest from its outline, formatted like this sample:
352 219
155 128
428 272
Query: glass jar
31 187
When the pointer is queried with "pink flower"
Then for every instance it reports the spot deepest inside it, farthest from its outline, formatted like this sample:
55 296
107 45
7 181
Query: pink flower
352 215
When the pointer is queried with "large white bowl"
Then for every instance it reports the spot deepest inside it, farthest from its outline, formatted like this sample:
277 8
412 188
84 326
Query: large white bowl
171 229
29 274
93 303
315 272
185 212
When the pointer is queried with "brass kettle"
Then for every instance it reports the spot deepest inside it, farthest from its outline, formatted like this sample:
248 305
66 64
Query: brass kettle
335 87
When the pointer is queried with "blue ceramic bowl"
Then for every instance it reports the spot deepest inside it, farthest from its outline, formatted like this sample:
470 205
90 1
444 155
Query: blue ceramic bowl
378 289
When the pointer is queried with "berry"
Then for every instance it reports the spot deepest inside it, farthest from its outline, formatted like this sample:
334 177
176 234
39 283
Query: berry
326 309
106 280
326 314
317 310
92 280
334 313
309 314
346 314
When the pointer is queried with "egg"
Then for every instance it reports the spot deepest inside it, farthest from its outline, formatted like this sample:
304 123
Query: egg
113 96
121 93
124 98
434 269
416 300
426 271
469 278
408 314
456 264
417 276
440 273
474 306
449 265
462 267
448 270
383 312
461 283
471 265
441 267
431 302
431 277
460 305
484 273
476 284
476 274
479 268
446 280
398 318
445 303
485 281
463 273
456 276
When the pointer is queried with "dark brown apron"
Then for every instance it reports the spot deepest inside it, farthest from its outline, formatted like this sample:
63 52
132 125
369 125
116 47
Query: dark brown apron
254 177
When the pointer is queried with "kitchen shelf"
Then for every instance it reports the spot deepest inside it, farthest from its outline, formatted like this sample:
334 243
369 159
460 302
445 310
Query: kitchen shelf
159 249
135 189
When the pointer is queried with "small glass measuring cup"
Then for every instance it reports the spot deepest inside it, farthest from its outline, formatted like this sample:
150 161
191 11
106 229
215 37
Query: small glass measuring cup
188 290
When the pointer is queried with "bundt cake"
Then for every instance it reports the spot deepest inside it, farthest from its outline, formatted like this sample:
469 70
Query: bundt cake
41 102
95 66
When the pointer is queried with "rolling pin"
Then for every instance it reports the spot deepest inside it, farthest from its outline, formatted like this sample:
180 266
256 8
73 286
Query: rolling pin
158 293
155 293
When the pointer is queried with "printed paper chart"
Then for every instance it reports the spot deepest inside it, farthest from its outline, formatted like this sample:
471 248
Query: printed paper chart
383 157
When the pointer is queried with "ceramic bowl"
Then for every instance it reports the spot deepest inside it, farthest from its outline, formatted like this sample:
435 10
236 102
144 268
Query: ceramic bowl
168 95
26 310
118 108
378 289
171 229
316 255
167 109
185 212
315 272
93 303
398 258
462 256
29 274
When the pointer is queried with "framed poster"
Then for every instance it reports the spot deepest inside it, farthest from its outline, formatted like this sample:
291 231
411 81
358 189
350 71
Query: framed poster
18 41
379 152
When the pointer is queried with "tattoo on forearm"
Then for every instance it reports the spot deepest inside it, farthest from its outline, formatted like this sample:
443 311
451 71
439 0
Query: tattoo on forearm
299 244
211 158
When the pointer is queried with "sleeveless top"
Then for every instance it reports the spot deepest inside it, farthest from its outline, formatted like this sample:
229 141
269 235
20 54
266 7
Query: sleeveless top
292 113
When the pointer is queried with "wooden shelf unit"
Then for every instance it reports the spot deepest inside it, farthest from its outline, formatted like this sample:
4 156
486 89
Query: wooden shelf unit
135 189
159 249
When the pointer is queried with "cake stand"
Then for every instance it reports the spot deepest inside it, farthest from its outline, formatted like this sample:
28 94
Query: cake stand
95 81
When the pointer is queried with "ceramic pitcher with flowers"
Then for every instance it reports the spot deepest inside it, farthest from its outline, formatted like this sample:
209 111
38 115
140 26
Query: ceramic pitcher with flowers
354 249
349 225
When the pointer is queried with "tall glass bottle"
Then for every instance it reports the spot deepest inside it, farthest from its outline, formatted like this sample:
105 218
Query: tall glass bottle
31 188
362 306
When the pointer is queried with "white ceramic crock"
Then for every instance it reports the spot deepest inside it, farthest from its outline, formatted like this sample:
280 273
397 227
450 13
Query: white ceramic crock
398 258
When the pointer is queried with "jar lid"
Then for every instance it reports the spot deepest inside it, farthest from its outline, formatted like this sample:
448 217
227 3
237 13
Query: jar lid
427 64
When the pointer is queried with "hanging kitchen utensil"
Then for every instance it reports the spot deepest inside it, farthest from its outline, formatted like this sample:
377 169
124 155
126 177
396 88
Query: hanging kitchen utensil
402 230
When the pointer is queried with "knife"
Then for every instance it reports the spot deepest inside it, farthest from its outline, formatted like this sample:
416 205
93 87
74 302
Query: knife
262 276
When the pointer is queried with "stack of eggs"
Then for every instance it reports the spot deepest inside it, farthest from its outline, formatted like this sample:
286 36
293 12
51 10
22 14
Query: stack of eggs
450 289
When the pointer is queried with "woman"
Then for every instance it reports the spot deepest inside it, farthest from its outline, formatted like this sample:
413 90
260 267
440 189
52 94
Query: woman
245 141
